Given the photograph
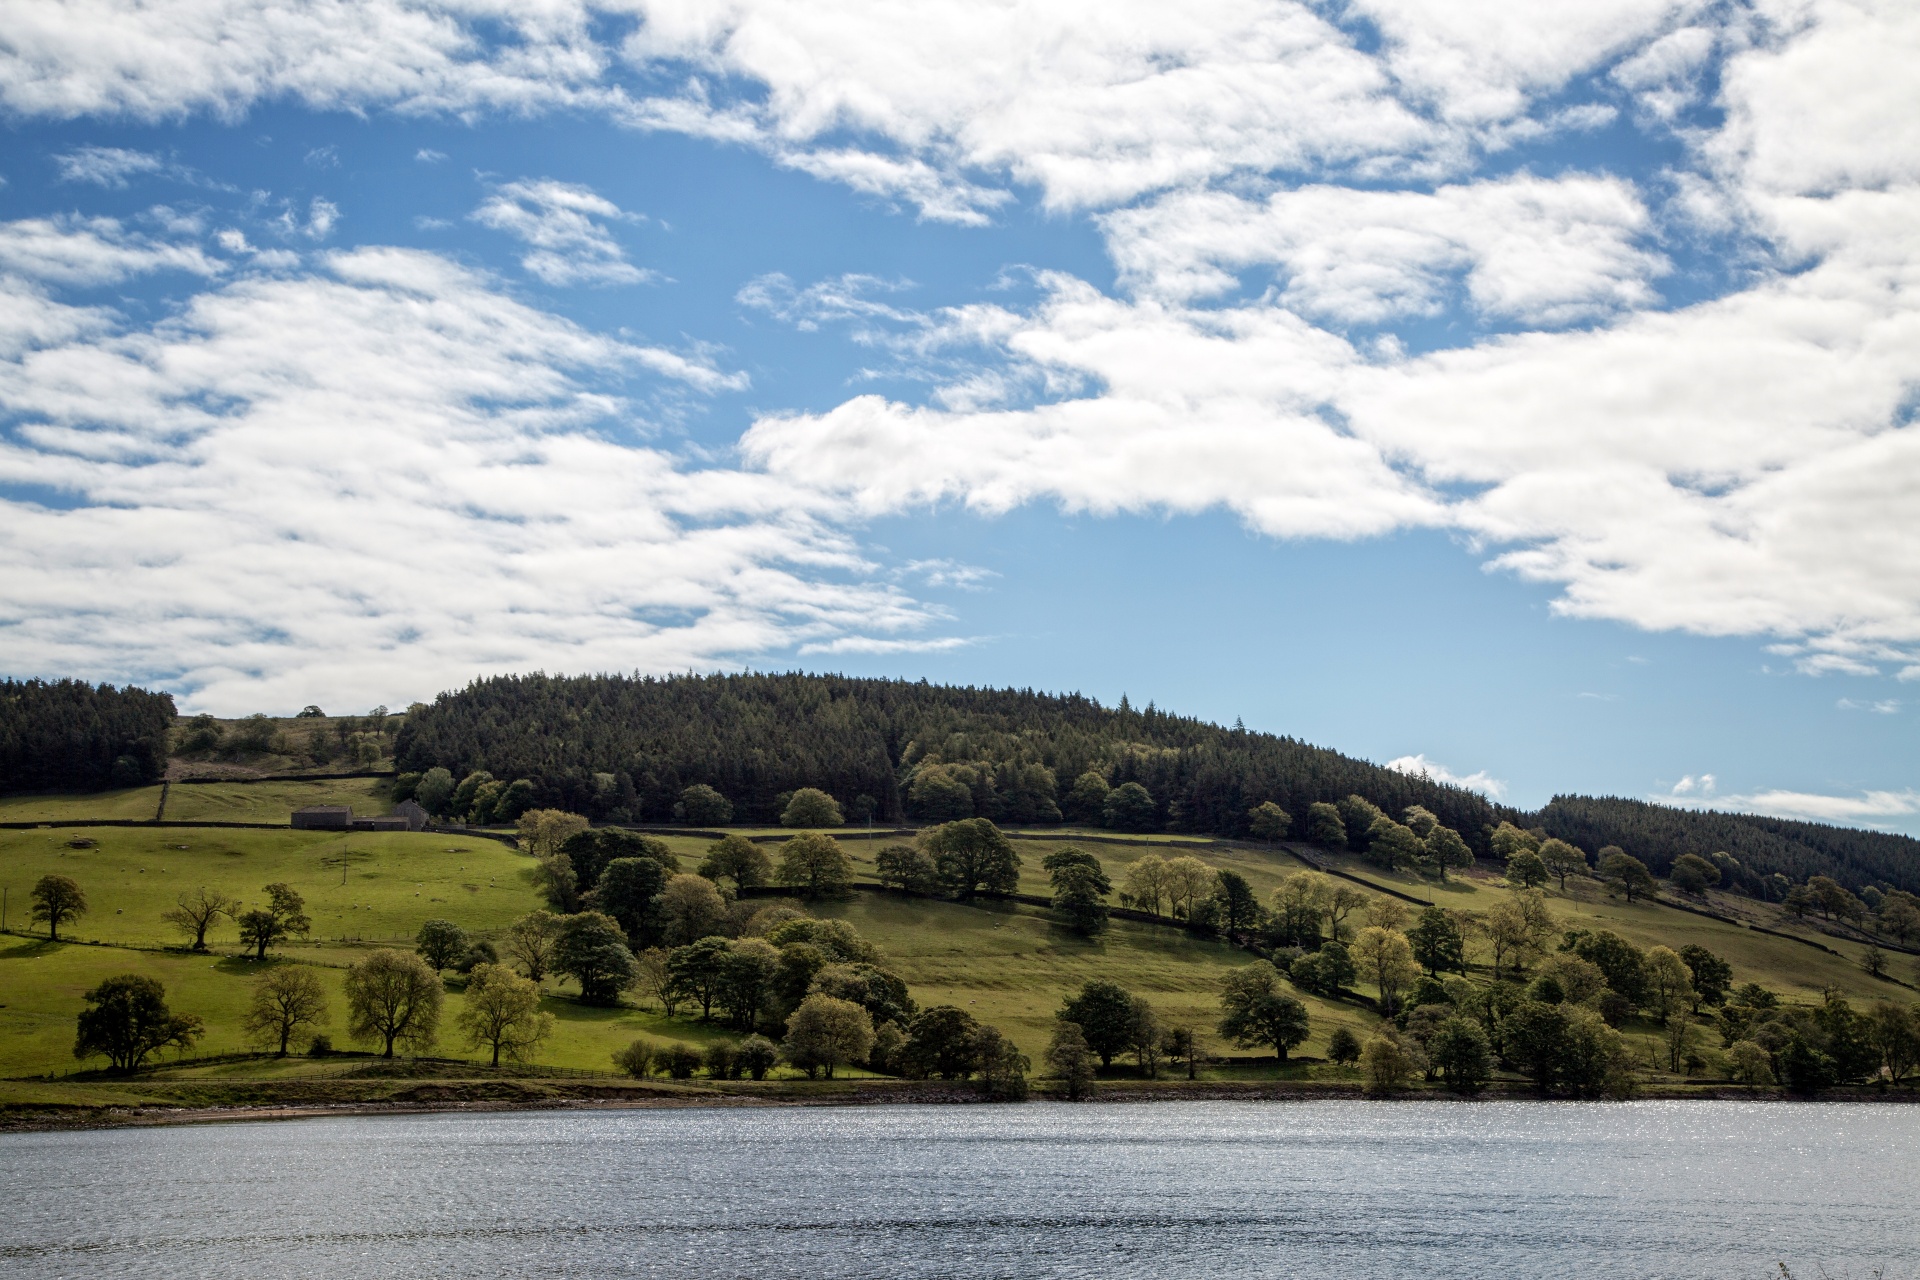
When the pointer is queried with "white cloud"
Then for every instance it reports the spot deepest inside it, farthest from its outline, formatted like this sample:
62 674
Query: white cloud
106 166
1544 252
1879 706
1866 808
1420 767
1746 464
565 225
383 477
91 251
427 155
949 573
872 644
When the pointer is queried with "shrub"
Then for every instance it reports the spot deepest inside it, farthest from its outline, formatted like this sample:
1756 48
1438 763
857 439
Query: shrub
1343 1047
722 1063
320 1046
680 1061
756 1057
637 1059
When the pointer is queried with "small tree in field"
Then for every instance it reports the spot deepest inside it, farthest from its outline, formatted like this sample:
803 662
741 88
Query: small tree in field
56 901
825 1033
194 913
1070 1061
127 1020
286 1000
1256 1013
1343 1047
812 807
441 943
532 940
284 916
815 865
502 1013
737 859
393 998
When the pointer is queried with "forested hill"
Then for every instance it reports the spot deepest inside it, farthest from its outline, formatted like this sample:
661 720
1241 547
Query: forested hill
1764 847
615 746
68 735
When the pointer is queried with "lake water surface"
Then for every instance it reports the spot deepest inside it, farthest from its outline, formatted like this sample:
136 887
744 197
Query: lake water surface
1183 1190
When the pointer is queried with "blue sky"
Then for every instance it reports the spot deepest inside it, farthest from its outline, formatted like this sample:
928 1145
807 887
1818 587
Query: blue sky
1525 394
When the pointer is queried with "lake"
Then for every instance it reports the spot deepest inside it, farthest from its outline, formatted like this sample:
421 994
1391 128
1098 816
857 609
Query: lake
1311 1189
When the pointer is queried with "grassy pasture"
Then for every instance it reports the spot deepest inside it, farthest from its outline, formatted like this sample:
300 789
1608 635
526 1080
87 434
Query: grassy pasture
137 804
1008 965
273 801
393 881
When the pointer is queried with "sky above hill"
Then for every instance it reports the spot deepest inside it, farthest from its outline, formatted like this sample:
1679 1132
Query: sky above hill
1520 391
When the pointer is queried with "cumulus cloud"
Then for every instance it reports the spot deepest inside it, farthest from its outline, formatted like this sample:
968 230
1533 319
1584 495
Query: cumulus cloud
565 224
382 476
1745 463
1420 767
92 251
1537 251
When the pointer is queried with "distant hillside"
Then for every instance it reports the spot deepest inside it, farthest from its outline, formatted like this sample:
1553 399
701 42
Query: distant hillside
68 735
1765 847
756 737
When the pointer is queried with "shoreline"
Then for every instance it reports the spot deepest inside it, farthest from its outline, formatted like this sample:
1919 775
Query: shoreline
441 1098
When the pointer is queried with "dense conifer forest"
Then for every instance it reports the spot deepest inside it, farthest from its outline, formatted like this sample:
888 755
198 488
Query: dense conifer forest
68 735
1765 849
625 747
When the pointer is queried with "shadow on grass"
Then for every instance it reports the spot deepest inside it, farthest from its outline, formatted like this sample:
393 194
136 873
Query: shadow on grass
14 947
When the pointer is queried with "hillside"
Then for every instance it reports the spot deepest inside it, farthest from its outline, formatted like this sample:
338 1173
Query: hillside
622 748
1766 848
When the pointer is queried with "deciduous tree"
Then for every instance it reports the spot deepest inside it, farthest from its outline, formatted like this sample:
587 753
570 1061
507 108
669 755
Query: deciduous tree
1562 860
127 1020
1255 1013
1385 957
531 941
825 1033
970 856
1268 821
284 916
440 943
393 999
903 867
57 900
690 909
1145 882
812 807
1105 1012
736 860
287 999
1070 1060
815 865
592 950
702 806
1628 873
502 1014
1129 807
195 913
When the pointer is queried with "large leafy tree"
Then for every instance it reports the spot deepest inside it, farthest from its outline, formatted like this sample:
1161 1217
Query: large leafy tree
1255 1012
393 999
1106 1013
816 865
287 999
970 856
592 951
127 1021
